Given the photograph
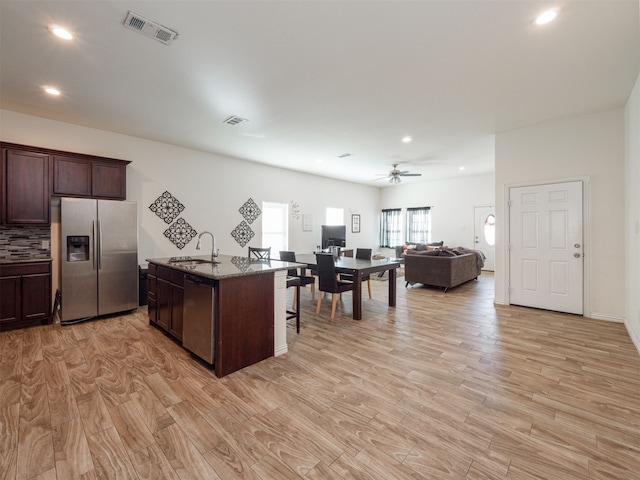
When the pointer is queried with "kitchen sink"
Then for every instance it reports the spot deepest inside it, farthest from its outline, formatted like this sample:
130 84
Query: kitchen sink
192 263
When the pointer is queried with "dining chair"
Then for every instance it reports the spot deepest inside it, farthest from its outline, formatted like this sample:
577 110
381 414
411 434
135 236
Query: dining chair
288 256
294 282
328 281
257 253
362 254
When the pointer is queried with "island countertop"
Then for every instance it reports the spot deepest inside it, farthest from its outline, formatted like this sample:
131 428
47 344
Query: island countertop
228 266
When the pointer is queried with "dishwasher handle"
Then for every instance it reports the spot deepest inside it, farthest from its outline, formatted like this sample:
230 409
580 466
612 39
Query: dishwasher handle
198 279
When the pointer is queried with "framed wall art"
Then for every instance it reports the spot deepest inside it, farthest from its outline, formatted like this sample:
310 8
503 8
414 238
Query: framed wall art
355 223
307 222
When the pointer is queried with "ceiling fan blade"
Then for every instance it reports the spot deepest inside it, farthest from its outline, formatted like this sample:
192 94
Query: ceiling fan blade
410 174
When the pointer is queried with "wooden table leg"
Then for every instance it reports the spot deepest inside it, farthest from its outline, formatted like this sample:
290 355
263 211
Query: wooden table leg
392 287
357 295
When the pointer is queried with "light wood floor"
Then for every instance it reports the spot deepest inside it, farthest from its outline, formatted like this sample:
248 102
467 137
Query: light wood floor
444 386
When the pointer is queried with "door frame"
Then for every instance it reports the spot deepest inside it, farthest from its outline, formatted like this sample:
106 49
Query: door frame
586 235
493 207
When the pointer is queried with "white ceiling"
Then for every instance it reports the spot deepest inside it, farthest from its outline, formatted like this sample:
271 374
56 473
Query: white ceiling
318 79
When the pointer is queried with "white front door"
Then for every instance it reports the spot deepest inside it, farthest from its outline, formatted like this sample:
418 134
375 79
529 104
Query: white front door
545 247
485 234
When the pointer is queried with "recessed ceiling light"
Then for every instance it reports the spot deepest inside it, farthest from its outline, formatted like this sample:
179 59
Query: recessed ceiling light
61 32
406 139
546 17
461 168
52 91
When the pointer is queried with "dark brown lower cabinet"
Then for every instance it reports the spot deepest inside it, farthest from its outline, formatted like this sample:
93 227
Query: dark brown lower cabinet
166 298
152 290
25 295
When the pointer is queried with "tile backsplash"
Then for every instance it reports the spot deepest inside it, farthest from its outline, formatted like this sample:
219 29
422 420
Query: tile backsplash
24 242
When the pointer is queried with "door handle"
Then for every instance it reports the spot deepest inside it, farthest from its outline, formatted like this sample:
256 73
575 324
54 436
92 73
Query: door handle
95 245
99 249
577 255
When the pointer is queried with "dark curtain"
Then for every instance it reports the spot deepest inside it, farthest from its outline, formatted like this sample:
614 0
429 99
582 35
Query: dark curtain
391 228
419 225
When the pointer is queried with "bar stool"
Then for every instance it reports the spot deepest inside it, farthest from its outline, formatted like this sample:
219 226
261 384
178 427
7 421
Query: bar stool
295 282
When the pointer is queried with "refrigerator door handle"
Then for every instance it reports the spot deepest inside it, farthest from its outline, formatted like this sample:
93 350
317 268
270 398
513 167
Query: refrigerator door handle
99 249
95 245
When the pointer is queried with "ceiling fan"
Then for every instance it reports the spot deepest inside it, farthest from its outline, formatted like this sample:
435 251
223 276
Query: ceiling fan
395 174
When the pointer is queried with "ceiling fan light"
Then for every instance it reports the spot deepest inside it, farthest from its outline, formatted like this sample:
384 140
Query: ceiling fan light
394 180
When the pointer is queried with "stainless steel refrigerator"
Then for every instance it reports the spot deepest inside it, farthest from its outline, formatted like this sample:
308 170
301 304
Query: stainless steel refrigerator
99 257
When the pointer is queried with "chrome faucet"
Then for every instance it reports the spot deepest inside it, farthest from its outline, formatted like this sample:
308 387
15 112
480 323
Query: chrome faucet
214 252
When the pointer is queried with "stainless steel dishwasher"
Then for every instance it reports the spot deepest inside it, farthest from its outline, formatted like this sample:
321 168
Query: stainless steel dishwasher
199 317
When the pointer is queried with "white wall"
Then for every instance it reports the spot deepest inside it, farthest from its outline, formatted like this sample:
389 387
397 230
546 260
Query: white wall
211 187
585 146
453 201
632 176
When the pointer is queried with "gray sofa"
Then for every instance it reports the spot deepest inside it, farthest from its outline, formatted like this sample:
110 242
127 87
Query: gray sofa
416 247
445 268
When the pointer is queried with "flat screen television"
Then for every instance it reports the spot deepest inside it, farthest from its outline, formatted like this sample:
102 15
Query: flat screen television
334 235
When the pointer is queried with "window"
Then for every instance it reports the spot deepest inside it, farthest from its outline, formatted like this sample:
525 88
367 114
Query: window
391 228
490 230
334 216
275 226
419 225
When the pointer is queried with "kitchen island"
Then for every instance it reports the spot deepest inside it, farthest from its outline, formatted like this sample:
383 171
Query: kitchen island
247 307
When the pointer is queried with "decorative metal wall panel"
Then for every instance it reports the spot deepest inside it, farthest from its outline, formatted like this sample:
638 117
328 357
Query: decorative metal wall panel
167 207
180 233
243 263
250 211
242 233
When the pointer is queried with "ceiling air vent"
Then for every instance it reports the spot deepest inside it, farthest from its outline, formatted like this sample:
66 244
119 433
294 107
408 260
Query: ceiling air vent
150 29
344 155
235 120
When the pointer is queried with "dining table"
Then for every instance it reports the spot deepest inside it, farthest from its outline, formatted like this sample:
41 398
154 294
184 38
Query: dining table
359 268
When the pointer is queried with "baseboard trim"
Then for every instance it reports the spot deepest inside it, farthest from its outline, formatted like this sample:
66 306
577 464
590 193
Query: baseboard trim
280 351
606 318
634 338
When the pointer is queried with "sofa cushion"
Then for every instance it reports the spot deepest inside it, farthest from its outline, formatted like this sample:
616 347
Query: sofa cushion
420 247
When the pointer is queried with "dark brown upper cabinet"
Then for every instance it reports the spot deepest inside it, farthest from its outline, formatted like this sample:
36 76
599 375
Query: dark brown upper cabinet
71 176
30 175
87 177
25 188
